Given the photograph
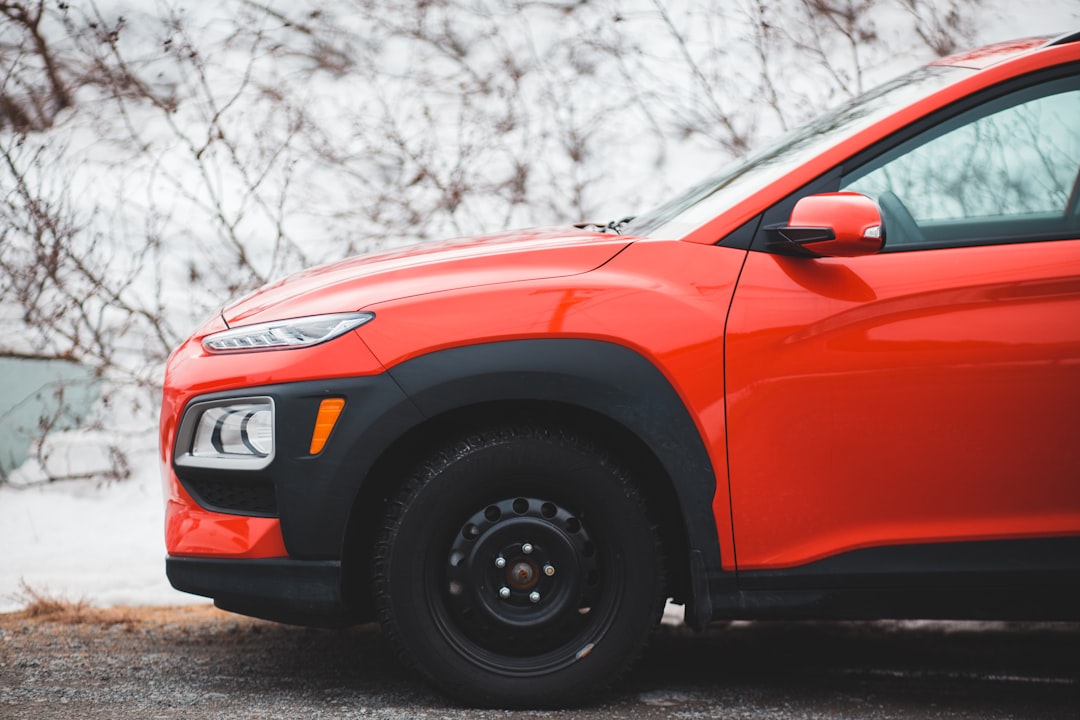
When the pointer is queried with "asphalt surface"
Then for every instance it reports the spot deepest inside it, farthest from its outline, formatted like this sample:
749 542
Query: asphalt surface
201 663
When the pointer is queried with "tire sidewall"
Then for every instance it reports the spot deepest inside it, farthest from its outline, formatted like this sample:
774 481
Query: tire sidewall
478 472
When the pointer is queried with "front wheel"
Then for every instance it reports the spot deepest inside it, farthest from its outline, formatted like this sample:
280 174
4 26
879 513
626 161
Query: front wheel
519 568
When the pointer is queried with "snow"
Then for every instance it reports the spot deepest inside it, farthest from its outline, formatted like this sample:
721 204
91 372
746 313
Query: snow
100 540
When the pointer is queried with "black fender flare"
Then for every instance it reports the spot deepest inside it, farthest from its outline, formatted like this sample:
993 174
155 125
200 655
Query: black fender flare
603 377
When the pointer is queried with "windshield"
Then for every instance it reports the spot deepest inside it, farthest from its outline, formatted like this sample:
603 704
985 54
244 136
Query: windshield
708 199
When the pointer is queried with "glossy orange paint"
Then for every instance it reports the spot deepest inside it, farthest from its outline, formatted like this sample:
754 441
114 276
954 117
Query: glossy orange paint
880 400
428 268
191 531
984 57
854 220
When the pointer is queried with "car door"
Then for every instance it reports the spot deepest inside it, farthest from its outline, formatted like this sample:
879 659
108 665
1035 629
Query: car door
894 407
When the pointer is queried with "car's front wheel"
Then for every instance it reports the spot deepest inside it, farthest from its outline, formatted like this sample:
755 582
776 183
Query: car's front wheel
518 567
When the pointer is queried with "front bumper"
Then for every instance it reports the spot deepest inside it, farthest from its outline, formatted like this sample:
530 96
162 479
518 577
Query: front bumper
299 592
299 504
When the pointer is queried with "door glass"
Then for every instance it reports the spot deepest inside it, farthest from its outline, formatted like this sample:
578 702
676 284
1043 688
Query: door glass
1004 170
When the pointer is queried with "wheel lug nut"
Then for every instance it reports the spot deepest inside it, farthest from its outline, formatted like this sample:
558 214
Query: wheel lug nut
500 562
549 570
527 548
534 597
504 593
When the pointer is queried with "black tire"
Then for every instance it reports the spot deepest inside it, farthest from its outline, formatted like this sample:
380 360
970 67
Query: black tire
568 526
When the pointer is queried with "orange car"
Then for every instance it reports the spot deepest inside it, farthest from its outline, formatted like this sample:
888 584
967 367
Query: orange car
838 380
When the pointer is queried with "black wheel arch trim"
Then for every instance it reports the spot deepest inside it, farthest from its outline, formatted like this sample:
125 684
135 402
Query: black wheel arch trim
602 377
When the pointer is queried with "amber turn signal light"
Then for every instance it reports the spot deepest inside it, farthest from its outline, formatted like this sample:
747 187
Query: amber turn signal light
329 411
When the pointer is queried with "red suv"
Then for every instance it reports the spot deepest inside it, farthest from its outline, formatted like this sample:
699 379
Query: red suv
840 379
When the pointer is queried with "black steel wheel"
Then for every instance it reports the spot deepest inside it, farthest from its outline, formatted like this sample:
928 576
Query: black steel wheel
519 568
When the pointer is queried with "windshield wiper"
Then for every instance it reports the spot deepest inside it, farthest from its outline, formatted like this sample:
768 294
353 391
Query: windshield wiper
614 226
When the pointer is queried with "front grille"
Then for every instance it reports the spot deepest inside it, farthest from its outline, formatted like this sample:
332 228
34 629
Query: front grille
240 497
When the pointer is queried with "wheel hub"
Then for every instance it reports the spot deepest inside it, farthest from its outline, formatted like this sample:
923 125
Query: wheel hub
523 575
521 571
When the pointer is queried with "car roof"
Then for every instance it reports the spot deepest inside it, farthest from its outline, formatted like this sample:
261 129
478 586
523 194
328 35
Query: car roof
984 57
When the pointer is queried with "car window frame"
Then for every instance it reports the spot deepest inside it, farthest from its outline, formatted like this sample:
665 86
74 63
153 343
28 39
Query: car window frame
779 212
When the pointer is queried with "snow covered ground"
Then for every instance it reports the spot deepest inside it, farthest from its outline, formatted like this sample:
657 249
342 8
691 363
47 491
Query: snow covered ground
81 540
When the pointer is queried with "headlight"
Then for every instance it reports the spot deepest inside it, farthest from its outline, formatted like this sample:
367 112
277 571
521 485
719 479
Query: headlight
285 334
246 430
236 433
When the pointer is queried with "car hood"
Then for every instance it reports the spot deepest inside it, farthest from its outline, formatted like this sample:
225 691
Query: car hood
358 282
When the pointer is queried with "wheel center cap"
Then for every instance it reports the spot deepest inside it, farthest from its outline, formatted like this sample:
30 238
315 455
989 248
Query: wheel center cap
523 575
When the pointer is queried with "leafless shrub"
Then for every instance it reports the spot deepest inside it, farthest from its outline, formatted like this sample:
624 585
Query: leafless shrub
33 96
941 25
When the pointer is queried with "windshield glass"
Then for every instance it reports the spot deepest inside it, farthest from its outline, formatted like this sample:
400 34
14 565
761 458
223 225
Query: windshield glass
708 199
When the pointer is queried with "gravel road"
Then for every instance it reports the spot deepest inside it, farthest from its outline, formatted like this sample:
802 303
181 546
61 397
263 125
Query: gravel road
197 662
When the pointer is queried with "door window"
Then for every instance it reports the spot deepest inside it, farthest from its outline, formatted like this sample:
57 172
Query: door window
1005 171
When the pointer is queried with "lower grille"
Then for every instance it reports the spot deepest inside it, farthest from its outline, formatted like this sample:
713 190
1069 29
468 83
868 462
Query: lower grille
239 497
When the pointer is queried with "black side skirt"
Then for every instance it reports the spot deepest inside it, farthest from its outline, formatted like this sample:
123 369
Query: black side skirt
1032 579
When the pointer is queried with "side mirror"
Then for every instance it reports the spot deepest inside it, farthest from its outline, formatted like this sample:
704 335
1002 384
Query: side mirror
841 224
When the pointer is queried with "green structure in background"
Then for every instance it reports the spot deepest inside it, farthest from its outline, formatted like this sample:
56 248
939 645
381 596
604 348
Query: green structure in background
39 394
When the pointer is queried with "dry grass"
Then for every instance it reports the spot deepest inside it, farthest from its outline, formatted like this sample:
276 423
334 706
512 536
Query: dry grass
45 608
42 605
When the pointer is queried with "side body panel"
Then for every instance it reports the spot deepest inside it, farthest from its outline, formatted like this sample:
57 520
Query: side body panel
918 397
